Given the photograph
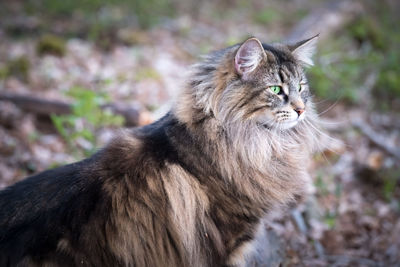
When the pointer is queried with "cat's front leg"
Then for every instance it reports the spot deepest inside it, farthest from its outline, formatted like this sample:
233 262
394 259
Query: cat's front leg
239 257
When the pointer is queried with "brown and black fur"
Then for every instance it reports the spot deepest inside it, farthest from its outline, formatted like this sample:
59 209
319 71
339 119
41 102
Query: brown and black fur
178 192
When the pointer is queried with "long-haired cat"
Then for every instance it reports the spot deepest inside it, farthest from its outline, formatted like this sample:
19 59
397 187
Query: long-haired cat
187 190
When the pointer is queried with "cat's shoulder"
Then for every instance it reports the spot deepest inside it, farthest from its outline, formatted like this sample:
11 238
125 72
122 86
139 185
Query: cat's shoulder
142 145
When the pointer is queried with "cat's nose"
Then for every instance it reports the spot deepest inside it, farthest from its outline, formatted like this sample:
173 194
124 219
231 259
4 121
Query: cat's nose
298 106
299 111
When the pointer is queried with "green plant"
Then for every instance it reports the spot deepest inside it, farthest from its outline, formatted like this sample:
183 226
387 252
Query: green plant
146 12
330 219
321 185
78 128
363 60
390 183
343 75
380 32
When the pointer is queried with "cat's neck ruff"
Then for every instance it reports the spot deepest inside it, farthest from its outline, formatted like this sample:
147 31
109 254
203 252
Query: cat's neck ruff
246 141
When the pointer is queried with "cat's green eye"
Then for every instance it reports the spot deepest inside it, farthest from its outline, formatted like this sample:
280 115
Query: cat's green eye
276 89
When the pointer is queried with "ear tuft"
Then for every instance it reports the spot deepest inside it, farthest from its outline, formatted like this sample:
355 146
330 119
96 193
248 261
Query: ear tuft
304 50
248 57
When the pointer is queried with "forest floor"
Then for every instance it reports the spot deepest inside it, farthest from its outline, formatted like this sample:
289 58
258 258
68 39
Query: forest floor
352 218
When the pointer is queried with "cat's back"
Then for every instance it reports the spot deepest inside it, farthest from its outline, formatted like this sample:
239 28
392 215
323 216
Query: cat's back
128 153
79 209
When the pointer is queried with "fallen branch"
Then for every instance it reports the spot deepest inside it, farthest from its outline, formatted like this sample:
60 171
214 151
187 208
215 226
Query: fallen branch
133 116
325 20
346 260
376 138
385 120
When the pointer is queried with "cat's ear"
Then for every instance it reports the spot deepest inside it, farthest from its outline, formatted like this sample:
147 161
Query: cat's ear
248 57
304 50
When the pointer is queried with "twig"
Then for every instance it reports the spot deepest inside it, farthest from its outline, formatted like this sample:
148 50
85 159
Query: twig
376 138
385 120
341 260
298 218
325 19
302 226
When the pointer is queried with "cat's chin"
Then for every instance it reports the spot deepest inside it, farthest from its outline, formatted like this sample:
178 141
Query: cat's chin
288 125
281 126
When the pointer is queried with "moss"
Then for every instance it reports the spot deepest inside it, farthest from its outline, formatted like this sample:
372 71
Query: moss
151 108
266 16
18 67
133 37
147 73
4 72
51 44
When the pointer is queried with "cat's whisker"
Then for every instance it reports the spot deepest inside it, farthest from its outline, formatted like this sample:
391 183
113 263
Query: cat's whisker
324 148
322 133
322 101
324 122
330 107
319 148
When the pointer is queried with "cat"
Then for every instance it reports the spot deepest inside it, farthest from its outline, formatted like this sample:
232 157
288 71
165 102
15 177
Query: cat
187 190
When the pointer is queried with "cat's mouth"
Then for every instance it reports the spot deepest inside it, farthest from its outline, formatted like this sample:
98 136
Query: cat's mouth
281 121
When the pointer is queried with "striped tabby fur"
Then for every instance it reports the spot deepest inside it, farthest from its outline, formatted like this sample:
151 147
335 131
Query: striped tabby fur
187 190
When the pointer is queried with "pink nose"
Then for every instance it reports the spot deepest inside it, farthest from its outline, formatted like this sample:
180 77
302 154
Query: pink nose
299 111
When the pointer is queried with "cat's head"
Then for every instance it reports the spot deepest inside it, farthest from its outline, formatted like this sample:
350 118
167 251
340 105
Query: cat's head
272 87
257 93
254 82
251 84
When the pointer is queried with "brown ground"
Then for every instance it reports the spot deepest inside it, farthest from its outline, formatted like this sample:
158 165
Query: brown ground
351 219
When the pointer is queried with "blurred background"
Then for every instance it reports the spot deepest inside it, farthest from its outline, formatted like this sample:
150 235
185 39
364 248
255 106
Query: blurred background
72 72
